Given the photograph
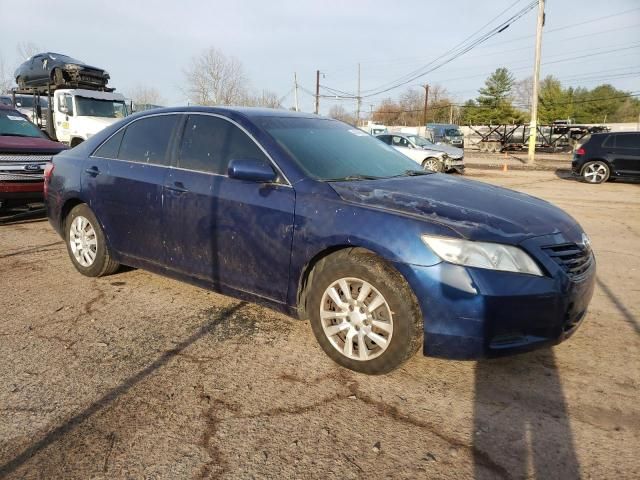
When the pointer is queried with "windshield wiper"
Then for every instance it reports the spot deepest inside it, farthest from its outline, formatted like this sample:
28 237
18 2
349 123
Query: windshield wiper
349 178
14 135
413 173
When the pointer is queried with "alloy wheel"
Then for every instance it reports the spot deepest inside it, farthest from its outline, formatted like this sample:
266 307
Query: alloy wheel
595 173
356 319
83 241
431 164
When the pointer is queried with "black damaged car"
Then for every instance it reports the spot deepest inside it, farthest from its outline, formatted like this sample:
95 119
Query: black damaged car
60 70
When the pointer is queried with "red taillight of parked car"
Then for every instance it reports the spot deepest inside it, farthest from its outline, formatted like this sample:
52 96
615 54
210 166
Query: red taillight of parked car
48 170
580 151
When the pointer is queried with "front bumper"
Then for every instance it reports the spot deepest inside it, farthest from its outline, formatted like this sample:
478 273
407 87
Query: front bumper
455 164
22 190
472 313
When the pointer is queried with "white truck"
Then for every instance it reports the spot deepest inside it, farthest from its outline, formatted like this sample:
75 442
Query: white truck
78 113
74 114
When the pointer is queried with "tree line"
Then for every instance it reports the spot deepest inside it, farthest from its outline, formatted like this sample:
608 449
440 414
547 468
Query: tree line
503 100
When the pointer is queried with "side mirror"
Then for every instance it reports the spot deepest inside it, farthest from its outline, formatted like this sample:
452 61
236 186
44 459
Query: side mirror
63 109
251 170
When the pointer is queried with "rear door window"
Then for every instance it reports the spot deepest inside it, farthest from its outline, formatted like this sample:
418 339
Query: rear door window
147 140
629 140
209 143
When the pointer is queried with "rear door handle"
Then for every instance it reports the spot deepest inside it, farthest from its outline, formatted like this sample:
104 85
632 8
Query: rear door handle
93 171
177 187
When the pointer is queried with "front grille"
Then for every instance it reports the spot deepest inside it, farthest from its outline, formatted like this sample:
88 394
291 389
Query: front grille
25 158
574 259
20 177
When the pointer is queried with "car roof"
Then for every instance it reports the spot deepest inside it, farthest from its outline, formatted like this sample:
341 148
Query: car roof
250 112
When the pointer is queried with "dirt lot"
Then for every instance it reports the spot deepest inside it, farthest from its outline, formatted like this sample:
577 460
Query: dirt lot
138 376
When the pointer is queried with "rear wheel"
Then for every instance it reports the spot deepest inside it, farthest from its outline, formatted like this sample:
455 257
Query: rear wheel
433 164
86 243
58 77
595 172
363 313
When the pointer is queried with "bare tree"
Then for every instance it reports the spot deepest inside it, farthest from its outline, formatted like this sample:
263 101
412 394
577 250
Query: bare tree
522 93
339 113
215 79
26 49
6 80
144 95
266 98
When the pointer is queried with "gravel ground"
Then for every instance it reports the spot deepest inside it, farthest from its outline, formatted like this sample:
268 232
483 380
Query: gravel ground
138 376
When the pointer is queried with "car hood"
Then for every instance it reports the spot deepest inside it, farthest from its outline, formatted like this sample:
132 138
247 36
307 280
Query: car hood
92 125
448 149
10 144
475 210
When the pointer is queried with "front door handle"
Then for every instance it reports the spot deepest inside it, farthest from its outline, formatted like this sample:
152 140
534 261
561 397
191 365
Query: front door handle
177 187
93 171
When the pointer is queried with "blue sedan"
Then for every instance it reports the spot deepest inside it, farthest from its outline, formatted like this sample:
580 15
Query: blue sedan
317 219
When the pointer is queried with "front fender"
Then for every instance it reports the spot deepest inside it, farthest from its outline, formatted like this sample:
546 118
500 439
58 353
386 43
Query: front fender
331 224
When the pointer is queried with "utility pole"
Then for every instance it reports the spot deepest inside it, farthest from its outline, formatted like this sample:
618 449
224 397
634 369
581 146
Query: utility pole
451 114
317 91
426 101
533 126
358 99
295 90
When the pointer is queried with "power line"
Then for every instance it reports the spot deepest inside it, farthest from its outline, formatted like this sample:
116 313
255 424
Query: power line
454 52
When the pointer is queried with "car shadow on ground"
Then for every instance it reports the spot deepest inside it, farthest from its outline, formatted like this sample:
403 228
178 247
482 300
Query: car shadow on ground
112 395
565 174
626 313
26 214
521 418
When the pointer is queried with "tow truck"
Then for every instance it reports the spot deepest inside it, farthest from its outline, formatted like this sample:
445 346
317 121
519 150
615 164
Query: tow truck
74 114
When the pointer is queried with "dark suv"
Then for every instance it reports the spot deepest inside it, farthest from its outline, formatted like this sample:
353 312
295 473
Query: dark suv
608 155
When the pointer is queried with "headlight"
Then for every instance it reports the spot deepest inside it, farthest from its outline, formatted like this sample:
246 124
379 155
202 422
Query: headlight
493 256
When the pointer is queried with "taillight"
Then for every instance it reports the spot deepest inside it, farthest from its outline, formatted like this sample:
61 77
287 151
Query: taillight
580 151
48 170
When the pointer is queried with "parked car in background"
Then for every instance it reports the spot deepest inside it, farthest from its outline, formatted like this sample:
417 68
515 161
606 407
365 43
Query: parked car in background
446 133
59 70
420 150
607 156
317 219
6 100
24 152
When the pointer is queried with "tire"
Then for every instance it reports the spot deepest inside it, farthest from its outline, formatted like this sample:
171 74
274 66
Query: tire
595 172
97 264
433 164
391 332
58 77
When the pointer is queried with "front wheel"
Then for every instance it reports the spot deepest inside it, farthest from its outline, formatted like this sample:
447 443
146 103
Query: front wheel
363 313
595 172
86 243
433 164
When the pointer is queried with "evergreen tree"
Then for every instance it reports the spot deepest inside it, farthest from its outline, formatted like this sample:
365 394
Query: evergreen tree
494 102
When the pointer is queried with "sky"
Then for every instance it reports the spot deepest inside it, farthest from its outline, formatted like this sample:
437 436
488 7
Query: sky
150 43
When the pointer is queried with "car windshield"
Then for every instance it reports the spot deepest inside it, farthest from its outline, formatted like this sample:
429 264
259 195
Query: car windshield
331 150
63 58
453 132
92 107
420 141
13 124
27 101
